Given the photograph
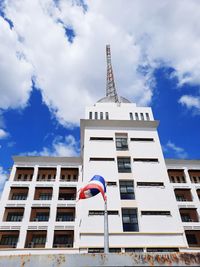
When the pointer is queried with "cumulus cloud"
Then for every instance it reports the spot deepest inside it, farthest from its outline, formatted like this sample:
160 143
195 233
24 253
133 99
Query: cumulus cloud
191 102
71 75
3 134
178 152
68 147
15 78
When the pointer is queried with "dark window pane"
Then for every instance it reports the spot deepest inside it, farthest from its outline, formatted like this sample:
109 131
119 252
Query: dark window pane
130 221
124 164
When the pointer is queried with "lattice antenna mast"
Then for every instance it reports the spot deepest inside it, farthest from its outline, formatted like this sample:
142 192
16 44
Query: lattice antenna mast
110 86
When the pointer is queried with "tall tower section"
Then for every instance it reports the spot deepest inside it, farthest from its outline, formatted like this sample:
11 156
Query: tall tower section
119 141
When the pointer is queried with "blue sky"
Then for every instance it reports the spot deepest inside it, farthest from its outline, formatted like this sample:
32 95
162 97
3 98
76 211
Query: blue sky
52 65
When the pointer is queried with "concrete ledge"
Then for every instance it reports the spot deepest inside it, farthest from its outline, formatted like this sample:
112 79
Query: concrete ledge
106 260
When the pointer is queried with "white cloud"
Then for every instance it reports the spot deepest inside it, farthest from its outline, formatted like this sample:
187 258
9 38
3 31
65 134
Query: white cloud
3 177
149 33
15 71
178 152
68 147
3 134
190 102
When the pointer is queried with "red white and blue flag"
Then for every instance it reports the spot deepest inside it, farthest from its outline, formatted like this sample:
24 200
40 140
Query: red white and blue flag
95 186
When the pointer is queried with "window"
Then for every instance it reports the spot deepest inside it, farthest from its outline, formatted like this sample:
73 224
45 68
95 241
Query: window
129 220
121 143
180 198
172 179
162 250
134 250
131 115
195 179
95 250
63 239
107 116
124 164
186 218
45 196
102 159
9 240
96 115
65 217
19 196
90 115
126 190
114 250
136 116
145 160
101 212
142 139
42 216
111 184
155 212
142 116
15 217
147 117
191 239
101 138
39 239
150 184
101 115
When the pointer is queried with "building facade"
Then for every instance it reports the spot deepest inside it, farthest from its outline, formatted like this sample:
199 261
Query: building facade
153 203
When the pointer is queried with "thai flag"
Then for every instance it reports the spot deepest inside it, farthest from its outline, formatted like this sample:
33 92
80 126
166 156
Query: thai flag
95 186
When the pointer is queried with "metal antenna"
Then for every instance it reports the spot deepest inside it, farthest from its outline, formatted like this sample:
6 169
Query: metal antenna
110 86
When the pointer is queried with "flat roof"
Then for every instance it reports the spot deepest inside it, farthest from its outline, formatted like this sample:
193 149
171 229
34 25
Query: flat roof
23 160
182 161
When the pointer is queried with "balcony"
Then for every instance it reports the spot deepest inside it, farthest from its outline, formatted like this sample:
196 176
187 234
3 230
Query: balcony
8 239
36 239
39 214
63 239
176 176
65 215
46 175
42 193
13 214
194 176
189 215
18 193
67 193
24 174
198 193
69 175
193 238
183 195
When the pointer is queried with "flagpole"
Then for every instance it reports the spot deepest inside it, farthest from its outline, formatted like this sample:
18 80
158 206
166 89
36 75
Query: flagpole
106 237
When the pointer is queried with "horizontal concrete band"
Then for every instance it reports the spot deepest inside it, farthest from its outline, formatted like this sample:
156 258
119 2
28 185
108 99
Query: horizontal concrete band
106 260
134 233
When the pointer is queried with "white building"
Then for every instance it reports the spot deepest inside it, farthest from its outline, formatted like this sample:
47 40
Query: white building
153 203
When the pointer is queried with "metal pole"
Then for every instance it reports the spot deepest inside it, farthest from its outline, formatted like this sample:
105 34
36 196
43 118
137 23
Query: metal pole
106 237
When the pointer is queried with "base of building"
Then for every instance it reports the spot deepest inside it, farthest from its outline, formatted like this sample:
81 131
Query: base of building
106 260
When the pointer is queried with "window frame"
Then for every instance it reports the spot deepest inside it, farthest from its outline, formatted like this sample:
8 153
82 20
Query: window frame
126 194
125 163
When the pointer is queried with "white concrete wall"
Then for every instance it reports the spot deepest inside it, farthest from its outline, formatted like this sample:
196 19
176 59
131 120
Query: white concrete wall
153 198
26 224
